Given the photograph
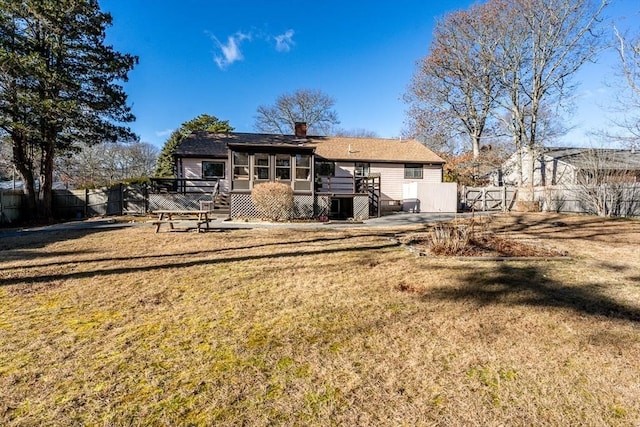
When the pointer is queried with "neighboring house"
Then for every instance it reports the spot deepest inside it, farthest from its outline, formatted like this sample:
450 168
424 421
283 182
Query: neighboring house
570 165
332 176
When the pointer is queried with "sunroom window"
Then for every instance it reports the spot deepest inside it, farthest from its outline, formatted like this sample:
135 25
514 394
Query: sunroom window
303 167
240 166
283 167
261 166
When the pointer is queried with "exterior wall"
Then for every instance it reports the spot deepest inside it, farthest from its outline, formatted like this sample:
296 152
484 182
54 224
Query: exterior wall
553 172
392 178
192 169
394 185
392 181
344 169
547 171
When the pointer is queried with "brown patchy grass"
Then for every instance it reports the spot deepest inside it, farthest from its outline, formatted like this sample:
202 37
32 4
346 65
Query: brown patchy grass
320 327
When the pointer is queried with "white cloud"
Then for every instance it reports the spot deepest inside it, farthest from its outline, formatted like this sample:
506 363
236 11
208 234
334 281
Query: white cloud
163 132
284 41
230 51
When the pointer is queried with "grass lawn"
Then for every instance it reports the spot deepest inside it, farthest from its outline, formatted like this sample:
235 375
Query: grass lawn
319 327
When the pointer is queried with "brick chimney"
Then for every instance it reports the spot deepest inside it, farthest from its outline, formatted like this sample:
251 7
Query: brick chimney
301 129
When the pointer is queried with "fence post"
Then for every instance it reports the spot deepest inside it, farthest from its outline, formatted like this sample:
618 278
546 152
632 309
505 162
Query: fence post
86 203
463 202
121 198
504 198
484 199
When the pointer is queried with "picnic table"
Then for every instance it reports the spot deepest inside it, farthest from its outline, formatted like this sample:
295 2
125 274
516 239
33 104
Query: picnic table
201 216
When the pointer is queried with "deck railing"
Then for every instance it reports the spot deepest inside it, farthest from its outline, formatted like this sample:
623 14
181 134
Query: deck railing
185 185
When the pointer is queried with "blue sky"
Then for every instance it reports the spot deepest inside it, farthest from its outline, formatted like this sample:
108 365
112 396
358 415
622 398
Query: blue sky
226 58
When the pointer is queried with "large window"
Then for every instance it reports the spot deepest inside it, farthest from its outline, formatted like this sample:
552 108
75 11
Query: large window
250 169
412 171
213 170
326 168
240 166
303 167
303 173
283 167
261 166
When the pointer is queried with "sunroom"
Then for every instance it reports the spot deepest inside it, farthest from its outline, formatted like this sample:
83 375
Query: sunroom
253 164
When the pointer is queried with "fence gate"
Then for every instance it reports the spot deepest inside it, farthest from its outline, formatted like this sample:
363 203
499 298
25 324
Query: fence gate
488 198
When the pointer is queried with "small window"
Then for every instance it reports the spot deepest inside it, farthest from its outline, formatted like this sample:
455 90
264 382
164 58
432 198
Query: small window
303 167
413 171
212 170
326 168
362 169
283 167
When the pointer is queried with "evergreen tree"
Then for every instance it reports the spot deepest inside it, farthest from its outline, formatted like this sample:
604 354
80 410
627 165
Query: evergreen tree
165 167
60 85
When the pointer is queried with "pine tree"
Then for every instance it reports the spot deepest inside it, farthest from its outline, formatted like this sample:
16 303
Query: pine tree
60 85
165 167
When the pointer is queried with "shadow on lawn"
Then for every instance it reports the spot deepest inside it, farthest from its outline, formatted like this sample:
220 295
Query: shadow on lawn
589 227
168 264
514 285
17 254
25 240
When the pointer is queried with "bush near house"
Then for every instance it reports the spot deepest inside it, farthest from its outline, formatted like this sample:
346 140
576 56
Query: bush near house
273 200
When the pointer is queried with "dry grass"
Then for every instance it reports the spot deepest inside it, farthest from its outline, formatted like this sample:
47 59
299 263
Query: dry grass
298 327
474 237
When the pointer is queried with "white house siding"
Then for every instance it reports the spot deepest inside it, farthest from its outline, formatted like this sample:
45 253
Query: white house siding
344 170
556 172
392 178
192 169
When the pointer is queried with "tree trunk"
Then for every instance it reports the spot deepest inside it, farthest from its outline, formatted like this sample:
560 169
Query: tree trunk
46 182
475 141
22 163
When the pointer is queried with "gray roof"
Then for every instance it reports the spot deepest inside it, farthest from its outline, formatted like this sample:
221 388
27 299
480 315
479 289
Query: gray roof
214 145
206 144
607 158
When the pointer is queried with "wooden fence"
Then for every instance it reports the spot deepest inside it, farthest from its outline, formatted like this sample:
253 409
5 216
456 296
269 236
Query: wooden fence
71 204
488 198
10 205
610 199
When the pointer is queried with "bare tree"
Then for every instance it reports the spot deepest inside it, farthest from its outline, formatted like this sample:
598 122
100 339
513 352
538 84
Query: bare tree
107 163
304 105
628 117
543 43
355 133
456 82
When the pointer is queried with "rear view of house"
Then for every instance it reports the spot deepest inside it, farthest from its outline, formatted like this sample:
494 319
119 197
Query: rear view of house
330 176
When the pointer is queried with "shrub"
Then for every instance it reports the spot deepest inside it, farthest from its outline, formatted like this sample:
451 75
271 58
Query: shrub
273 200
448 239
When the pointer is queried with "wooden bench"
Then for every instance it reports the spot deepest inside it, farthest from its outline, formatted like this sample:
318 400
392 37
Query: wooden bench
167 217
